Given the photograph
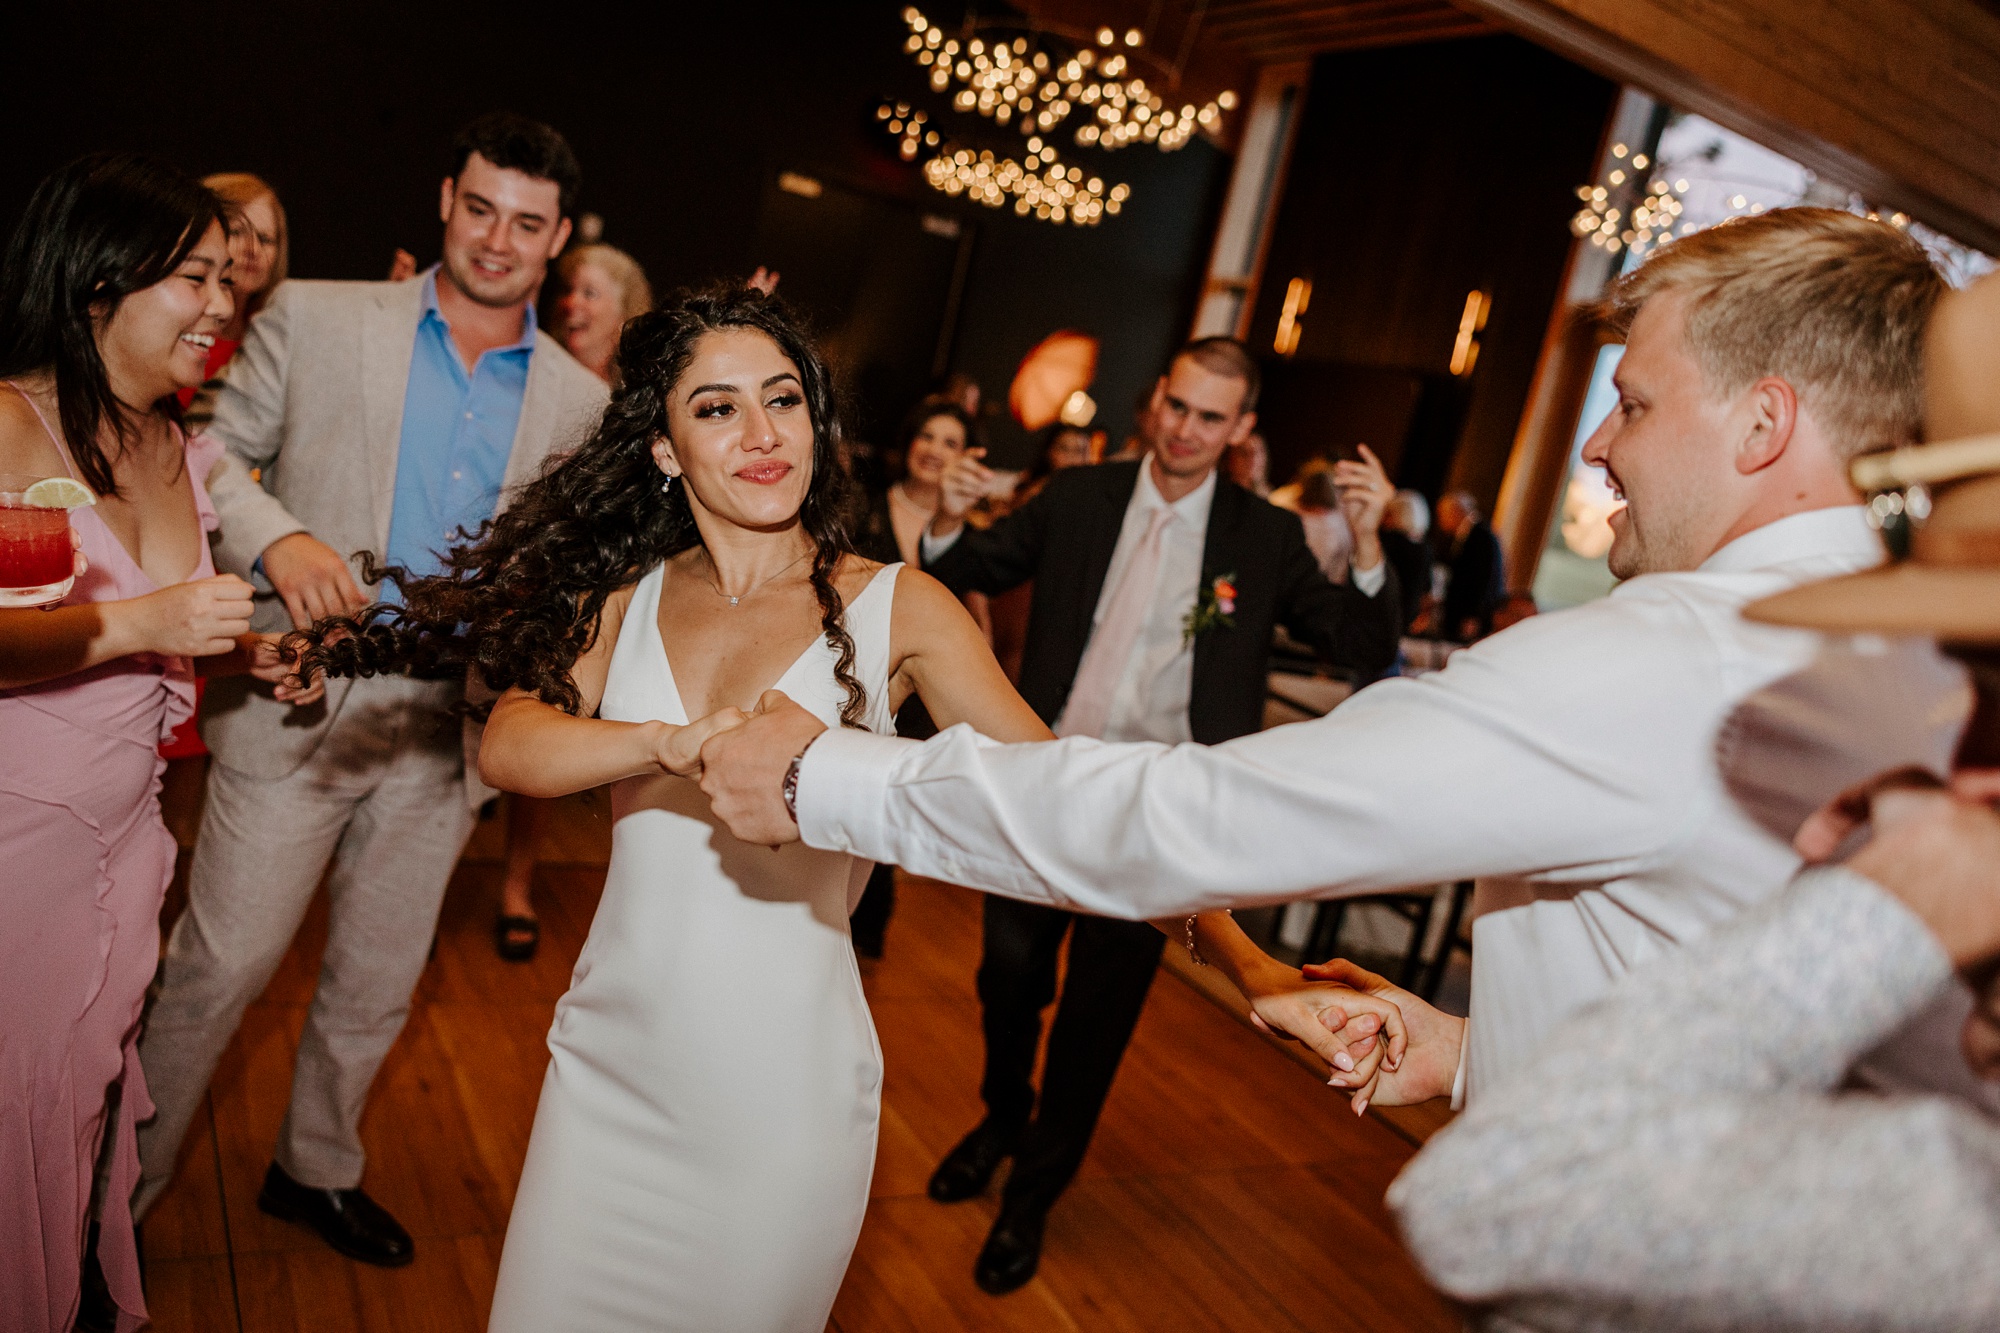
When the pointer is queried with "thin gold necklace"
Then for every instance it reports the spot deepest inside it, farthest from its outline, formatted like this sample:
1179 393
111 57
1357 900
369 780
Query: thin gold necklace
737 600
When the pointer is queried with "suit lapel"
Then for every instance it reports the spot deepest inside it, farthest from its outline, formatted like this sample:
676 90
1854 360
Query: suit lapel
1106 520
537 424
1220 547
388 337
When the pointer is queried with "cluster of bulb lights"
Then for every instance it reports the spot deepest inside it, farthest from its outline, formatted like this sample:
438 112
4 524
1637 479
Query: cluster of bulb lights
1010 83
1652 219
1040 185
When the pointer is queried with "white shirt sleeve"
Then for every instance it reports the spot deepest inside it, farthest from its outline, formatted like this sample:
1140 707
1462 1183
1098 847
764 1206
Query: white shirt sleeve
1560 743
1368 582
929 548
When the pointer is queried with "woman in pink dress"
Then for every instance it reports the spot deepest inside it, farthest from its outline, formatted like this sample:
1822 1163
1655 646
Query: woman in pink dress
114 286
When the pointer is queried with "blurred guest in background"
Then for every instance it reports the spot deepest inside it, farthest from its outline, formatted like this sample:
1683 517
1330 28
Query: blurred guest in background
1404 527
936 431
457 396
261 249
1135 442
601 287
1475 576
1062 447
963 389
1157 586
1317 504
1249 465
115 286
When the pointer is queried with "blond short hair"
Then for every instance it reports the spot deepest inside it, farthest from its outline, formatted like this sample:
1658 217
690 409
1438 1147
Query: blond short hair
634 292
238 190
1834 304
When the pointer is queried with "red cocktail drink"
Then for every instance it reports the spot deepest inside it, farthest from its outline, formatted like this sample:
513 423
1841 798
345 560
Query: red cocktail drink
36 561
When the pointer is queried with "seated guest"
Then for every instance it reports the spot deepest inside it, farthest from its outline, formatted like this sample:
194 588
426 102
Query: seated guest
601 287
1327 532
1157 585
1404 527
1690 1152
936 431
114 289
1249 465
1475 576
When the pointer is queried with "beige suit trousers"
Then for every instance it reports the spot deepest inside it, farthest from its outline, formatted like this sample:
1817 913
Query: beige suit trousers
382 802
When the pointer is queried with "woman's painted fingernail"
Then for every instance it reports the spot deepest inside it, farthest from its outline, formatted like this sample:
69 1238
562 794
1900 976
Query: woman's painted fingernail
1343 1062
1361 1107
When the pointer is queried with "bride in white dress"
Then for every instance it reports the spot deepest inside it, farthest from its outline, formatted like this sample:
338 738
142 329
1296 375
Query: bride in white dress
701 1154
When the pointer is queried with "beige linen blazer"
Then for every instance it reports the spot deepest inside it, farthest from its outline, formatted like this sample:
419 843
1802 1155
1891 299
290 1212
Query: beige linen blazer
314 399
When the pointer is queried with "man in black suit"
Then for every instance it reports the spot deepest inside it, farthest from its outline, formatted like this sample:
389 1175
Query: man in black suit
1157 584
1475 574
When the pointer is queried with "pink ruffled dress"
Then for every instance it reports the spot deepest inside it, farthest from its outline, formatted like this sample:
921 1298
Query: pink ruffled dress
85 861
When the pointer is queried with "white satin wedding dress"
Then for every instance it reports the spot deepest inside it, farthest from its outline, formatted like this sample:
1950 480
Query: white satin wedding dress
706 1133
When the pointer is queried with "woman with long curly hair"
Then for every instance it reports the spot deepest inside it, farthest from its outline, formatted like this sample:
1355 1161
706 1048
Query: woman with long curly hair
702 1151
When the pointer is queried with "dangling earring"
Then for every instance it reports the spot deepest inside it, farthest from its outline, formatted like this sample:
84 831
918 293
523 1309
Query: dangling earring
668 484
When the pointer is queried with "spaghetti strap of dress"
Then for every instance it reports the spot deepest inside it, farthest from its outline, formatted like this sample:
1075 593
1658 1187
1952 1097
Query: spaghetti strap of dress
68 467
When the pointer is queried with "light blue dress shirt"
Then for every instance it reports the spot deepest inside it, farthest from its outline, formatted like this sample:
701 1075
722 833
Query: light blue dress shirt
458 430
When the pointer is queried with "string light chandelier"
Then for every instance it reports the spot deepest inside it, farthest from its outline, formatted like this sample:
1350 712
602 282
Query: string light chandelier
1651 221
1034 83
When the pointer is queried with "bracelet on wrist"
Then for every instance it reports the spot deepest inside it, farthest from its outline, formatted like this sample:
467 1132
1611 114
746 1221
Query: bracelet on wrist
1187 938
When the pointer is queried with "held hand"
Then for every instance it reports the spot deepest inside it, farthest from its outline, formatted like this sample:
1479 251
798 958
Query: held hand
743 769
312 578
1430 1062
261 651
1821 836
1343 1026
1935 851
679 748
1365 492
201 618
79 564
965 482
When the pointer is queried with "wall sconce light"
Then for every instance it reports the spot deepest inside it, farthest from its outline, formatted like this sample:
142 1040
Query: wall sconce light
1465 351
1297 297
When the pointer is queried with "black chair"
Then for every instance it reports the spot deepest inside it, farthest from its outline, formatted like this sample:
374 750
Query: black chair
1418 975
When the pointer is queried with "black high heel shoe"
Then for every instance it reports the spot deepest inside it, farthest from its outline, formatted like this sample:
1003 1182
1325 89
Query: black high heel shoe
507 937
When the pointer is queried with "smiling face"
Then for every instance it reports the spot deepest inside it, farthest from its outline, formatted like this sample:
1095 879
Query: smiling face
253 244
936 443
741 434
501 229
157 340
1196 415
1666 450
590 315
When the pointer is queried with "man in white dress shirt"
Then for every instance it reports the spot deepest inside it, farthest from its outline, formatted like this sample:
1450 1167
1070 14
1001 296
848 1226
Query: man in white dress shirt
1582 754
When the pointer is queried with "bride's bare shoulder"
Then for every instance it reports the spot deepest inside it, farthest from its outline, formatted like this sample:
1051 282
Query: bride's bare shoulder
853 575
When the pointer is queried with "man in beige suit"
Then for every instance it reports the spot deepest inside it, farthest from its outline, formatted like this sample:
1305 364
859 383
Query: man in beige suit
384 417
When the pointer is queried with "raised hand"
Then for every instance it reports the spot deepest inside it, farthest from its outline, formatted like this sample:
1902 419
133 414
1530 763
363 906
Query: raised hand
311 578
743 769
679 748
1365 492
1429 1063
964 484
200 618
402 266
764 280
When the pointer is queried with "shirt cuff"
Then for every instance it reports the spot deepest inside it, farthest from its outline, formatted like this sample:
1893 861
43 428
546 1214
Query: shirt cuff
843 789
1369 581
930 549
1458 1078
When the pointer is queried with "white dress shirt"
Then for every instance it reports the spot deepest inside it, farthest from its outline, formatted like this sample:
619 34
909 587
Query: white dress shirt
1582 751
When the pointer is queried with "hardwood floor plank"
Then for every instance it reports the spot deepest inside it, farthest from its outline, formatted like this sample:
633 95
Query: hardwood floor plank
190 1295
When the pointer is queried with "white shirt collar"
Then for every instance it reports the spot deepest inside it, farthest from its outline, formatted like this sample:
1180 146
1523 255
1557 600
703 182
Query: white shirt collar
1841 532
1191 509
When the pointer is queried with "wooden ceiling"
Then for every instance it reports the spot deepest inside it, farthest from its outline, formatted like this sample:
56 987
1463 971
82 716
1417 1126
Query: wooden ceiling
1269 31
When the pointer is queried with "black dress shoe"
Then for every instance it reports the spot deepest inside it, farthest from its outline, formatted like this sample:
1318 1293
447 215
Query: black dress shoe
967 1169
1013 1250
348 1220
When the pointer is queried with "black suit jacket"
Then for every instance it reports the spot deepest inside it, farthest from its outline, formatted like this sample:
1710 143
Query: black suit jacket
1064 538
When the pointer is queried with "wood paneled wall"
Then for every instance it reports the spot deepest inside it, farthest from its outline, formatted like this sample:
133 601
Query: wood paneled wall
1898 99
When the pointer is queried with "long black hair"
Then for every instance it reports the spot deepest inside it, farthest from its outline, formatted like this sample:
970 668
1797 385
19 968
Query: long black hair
520 600
100 229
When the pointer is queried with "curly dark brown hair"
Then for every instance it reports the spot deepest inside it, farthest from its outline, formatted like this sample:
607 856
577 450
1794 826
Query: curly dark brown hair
519 601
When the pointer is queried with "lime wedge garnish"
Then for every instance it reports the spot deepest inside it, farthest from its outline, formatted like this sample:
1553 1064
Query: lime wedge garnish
59 493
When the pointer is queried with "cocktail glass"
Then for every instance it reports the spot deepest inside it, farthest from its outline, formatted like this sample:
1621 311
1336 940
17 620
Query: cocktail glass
37 561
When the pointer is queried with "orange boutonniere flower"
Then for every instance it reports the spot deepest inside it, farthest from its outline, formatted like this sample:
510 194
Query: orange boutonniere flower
1214 607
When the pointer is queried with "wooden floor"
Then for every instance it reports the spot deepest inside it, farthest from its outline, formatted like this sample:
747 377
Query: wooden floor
1226 1188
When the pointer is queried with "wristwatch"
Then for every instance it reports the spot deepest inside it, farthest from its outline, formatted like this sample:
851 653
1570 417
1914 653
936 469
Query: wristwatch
791 785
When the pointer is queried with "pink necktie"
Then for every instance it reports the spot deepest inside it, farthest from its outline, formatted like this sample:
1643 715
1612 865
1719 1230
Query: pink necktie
1110 647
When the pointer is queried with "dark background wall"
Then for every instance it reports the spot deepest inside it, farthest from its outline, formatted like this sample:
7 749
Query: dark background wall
1420 174
683 116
